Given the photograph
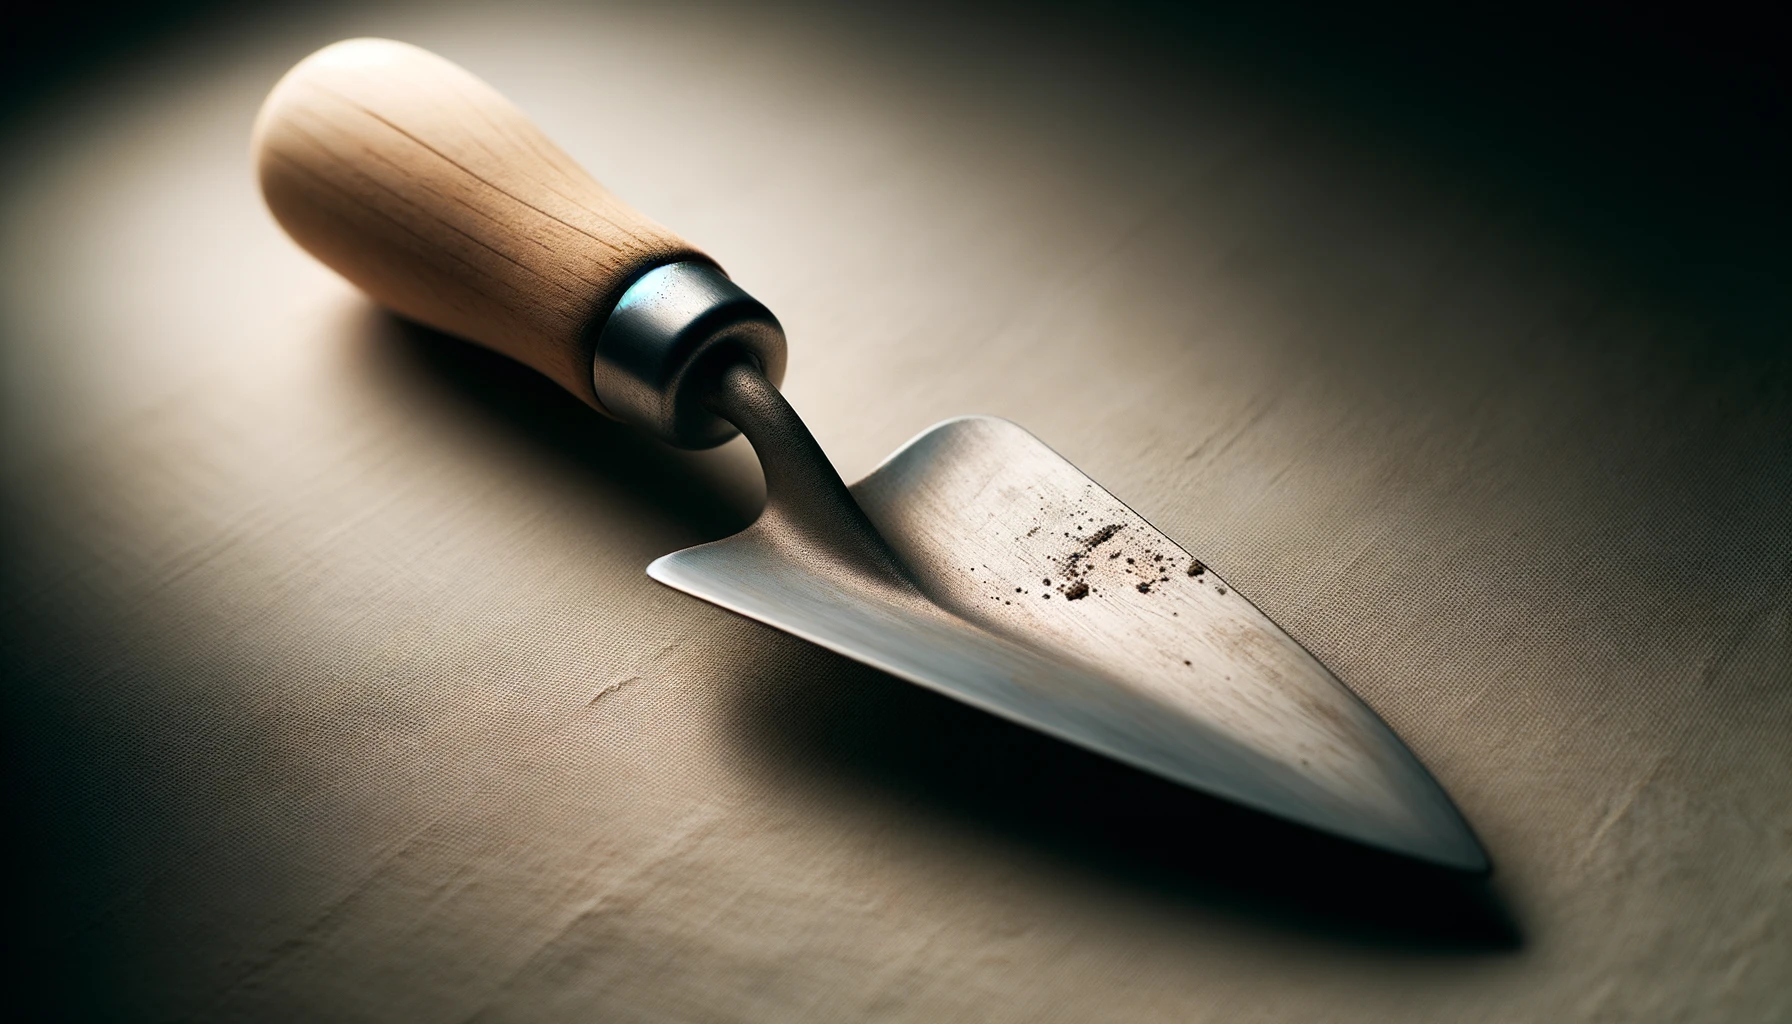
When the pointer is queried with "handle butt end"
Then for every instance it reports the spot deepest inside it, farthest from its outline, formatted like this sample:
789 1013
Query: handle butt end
430 192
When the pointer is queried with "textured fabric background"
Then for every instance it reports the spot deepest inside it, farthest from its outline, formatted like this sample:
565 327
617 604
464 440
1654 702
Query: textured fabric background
335 689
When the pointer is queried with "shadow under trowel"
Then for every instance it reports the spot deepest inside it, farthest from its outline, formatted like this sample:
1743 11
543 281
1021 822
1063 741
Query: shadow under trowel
1096 818
826 716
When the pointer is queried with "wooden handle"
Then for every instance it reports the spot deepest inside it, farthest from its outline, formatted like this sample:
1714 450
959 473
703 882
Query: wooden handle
432 193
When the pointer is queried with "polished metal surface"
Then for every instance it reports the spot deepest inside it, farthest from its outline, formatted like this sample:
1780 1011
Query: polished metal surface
1046 600
654 344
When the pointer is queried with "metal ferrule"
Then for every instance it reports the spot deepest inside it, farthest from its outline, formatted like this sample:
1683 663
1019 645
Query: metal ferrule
672 331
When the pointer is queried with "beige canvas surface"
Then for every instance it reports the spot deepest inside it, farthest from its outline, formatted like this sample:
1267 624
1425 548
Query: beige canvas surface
336 689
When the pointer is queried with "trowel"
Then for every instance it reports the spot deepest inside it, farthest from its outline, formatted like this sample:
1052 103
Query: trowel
974 561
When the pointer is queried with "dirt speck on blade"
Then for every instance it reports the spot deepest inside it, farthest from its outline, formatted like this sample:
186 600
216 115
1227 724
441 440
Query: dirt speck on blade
1195 568
1076 591
1087 545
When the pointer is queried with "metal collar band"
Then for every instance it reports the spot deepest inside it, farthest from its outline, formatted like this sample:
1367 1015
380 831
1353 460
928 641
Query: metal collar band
673 326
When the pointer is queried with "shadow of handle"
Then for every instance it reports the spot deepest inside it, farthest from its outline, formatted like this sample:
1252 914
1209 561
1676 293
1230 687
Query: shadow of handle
704 495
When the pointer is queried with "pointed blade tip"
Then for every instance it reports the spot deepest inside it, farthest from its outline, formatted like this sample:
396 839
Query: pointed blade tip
1467 854
1447 842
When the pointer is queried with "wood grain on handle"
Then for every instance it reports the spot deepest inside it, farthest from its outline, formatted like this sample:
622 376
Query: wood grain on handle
432 193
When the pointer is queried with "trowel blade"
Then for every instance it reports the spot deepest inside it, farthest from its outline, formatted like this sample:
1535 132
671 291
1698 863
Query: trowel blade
1051 603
